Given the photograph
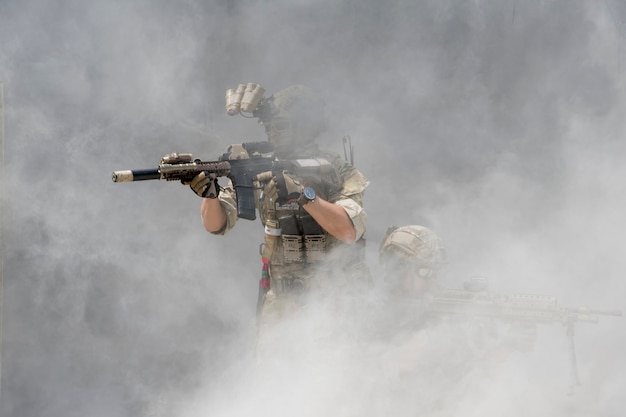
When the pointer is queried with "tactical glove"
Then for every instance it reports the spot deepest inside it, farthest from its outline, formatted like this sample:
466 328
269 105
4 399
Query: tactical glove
280 187
204 185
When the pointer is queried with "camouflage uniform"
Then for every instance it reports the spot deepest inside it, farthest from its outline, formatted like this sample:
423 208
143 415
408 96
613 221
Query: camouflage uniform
319 262
303 265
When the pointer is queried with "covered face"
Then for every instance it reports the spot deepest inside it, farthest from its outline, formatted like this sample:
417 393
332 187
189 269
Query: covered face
293 118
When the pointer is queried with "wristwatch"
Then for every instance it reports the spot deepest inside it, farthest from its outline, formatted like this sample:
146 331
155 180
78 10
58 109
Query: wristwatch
308 195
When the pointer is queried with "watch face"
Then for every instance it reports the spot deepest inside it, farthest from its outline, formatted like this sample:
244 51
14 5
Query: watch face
309 193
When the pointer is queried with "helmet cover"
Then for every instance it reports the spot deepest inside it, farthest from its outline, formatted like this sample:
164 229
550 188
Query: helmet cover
413 244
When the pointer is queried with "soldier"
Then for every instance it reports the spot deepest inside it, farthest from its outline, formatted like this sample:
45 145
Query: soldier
314 227
411 256
435 356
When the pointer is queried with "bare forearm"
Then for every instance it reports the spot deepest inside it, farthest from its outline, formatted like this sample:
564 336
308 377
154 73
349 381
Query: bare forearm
333 219
213 214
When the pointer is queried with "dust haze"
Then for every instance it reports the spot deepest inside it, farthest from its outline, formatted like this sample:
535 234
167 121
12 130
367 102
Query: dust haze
497 124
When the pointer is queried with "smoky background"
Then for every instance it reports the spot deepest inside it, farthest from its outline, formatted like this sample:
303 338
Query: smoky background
498 124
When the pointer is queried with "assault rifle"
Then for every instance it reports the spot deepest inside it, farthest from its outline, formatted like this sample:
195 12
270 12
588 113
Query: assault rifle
241 163
474 300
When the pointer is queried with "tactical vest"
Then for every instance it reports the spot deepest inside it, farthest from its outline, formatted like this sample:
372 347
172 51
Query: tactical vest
303 256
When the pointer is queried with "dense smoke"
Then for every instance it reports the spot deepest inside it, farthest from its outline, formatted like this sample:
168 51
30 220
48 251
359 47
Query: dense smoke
498 124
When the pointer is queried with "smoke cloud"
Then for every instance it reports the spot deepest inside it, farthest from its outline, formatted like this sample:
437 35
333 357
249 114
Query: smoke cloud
497 124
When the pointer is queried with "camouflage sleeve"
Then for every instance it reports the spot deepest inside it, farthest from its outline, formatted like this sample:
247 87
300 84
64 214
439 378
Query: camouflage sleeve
228 200
350 195
356 213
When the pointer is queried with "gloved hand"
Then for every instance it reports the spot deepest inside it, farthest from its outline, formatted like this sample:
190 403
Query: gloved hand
280 187
204 185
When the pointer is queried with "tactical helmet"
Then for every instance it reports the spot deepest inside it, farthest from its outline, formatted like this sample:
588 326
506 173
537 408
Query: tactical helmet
292 117
413 244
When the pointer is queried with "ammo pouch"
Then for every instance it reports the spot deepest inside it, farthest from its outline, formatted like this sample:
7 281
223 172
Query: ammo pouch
314 239
303 239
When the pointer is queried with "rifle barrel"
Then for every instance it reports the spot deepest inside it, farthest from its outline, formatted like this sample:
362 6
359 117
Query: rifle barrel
136 175
585 310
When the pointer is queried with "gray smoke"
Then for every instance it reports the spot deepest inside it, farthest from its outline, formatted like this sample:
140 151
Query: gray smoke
498 124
